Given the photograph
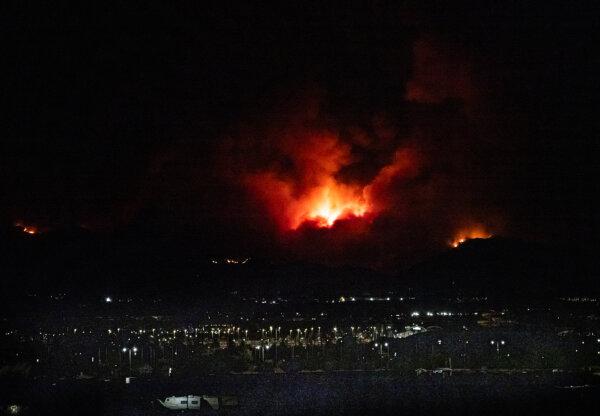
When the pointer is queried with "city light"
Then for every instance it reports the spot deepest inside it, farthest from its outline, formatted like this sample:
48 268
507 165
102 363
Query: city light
14 409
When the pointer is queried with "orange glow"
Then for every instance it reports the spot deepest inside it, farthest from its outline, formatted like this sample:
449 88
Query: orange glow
331 203
469 234
29 229
312 193
307 189
320 205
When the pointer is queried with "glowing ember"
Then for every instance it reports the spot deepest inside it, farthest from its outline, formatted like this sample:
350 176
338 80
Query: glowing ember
477 232
29 229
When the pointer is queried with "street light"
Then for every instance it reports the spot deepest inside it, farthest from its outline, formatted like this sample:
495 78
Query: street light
261 351
276 342
497 344
380 346
125 349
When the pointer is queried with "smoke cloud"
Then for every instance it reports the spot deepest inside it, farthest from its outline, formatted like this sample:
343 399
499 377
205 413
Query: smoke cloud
376 190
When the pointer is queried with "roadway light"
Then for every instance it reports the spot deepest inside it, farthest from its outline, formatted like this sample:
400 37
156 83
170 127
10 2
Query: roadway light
134 349
14 409
124 349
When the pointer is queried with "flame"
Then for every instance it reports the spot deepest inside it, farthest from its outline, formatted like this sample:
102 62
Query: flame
332 203
28 229
321 205
307 188
469 234
310 192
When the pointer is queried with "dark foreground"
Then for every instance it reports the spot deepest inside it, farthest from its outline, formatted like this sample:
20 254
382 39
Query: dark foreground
328 393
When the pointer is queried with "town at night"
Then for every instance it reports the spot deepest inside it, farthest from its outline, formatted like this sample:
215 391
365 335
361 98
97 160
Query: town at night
242 209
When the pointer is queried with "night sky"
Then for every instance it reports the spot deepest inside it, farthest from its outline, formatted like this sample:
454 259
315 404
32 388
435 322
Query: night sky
238 127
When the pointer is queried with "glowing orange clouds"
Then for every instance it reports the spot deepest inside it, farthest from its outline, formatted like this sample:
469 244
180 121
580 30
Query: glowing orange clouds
306 189
305 185
469 234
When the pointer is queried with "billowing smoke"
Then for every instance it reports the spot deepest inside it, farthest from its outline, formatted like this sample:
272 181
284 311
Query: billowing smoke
339 173
304 188
441 71
374 138
378 189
